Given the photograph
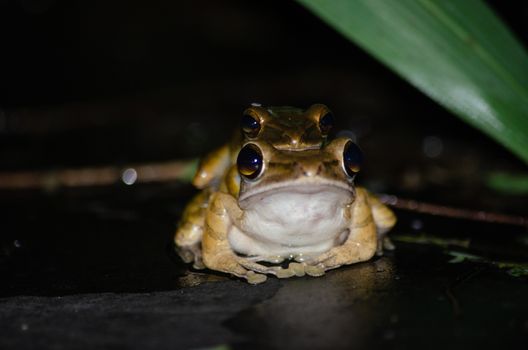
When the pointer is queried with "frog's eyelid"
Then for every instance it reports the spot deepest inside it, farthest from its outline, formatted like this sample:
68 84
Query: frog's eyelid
326 122
316 111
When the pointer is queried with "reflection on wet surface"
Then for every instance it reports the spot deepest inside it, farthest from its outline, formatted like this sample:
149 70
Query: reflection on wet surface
179 319
340 308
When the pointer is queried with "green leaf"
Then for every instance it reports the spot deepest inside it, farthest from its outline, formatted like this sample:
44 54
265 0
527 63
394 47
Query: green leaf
457 52
513 184
521 271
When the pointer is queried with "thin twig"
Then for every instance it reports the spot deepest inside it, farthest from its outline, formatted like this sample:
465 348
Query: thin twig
459 213
103 176
183 171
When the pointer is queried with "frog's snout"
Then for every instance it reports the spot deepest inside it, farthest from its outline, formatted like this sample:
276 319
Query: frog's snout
309 169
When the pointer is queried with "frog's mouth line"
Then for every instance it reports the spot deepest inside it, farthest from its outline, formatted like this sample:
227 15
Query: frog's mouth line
298 186
289 148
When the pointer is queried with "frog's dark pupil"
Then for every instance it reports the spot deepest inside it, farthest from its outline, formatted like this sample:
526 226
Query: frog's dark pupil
352 158
249 161
250 126
326 123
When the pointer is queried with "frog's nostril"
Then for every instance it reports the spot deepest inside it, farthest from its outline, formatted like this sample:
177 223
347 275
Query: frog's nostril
294 140
311 170
300 169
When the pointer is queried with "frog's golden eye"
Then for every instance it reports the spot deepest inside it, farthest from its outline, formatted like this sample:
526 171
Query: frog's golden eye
249 161
326 122
352 158
250 125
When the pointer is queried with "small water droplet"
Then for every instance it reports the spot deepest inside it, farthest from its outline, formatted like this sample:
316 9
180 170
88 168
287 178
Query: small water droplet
17 243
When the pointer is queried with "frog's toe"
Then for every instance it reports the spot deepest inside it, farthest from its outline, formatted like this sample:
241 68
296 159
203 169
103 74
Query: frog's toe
379 250
297 268
285 273
255 278
384 244
315 270
186 255
256 267
387 244
198 264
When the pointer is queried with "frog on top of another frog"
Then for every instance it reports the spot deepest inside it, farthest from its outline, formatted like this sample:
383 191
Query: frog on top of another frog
282 190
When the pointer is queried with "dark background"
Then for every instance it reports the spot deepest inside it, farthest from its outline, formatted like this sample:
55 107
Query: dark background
89 83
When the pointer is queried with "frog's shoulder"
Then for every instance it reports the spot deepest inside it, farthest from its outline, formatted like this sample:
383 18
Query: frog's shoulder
215 164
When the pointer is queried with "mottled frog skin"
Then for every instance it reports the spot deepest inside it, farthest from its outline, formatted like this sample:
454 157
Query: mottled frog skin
283 193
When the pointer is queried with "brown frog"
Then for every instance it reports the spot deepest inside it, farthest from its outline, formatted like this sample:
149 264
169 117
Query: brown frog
281 191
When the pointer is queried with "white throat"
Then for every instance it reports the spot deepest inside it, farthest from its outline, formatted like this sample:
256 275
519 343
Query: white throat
292 218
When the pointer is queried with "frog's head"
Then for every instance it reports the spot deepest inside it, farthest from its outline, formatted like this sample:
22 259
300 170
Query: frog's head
267 171
288 128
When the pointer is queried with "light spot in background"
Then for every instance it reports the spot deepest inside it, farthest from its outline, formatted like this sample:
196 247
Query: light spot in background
256 104
432 146
17 243
129 176
417 224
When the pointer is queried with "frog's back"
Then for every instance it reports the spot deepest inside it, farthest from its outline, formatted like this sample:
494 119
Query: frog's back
287 128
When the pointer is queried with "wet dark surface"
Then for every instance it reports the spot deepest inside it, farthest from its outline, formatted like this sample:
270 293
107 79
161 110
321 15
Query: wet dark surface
373 305
84 270
94 267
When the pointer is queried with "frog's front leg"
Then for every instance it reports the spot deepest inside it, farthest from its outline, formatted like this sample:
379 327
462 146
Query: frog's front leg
360 244
189 234
218 254
384 220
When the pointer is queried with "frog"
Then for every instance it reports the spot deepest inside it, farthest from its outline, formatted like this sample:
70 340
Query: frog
284 127
286 204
